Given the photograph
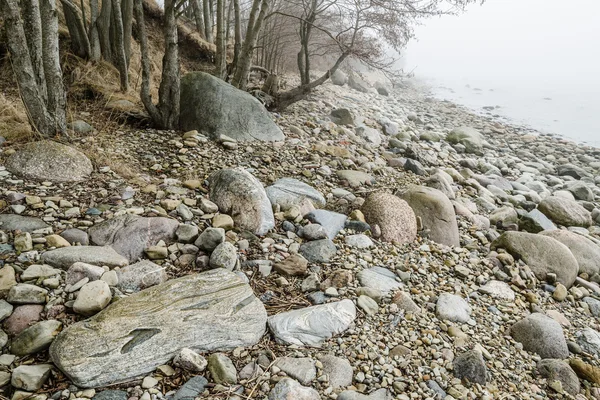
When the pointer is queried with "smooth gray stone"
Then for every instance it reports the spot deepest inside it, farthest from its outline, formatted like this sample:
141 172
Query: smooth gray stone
379 278
12 222
207 312
381 394
287 389
589 340
332 222
191 389
535 221
130 234
318 251
239 194
311 326
586 252
289 192
542 254
542 335
65 257
452 308
302 369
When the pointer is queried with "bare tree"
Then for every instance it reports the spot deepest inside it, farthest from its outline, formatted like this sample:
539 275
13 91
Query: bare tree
258 13
165 114
359 29
221 55
42 91
208 21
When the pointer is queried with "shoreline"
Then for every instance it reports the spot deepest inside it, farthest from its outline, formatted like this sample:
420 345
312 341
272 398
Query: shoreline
433 89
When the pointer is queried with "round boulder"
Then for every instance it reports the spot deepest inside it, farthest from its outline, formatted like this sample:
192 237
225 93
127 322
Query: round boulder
49 161
394 216
565 212
239 194
542 253
541 334
211 105
436 212
586 252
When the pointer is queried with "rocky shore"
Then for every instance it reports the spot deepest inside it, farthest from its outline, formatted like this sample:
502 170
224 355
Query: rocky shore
393 246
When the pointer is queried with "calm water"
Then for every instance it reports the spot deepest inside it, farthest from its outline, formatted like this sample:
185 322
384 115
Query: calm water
569 110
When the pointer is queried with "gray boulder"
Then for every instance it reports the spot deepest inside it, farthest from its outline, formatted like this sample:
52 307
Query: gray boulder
213 106
289 192
565 212
589 340
394 216
239 194
452 308
210 312
586 252
311 326
542 254
470 366
339 370
436 212
356 83
339 78
559 370
541 334
468 137
49 161
130 234
331 221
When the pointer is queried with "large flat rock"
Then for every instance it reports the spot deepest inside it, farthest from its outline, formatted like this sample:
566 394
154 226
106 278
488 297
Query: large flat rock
49 161
129 234
13 222
95 255
207 312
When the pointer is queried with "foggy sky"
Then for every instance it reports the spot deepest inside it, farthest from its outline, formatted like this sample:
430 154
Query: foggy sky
525 41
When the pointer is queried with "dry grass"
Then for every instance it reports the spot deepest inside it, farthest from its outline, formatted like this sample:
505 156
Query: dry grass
91 85
14 124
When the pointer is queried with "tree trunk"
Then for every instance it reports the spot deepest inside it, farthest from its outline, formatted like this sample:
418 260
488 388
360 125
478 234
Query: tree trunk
198 17
95 51
207 21
237 35
221 56
80 43
23 69
143 38
103 24
57 99
168 92
33 32
127 15
120 60
165 115
254 25
291 96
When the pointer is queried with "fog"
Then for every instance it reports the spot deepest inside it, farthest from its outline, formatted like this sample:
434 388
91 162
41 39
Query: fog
525 42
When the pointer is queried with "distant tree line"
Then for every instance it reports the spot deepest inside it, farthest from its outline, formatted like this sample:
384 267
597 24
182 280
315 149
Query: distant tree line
265 35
